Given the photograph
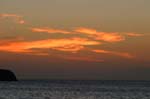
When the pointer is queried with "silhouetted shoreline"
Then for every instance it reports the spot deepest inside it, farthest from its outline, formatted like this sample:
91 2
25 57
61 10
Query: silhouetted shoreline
7 75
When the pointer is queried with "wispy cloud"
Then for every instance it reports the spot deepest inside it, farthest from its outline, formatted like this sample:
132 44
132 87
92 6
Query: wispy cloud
88 31
104 36
70 48
122 54
16 18
74 44
110 37
71 44
49 30
66 45
134 34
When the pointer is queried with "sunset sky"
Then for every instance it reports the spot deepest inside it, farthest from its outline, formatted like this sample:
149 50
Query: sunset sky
76 39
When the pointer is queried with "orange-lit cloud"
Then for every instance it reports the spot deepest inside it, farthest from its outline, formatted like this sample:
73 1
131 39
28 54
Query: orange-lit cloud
104 36
66 45
70 48
71 44
49 30
92 33
134 34
88 31
110 37
122 54
16 18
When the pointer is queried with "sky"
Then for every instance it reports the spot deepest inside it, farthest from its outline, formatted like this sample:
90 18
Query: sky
76 39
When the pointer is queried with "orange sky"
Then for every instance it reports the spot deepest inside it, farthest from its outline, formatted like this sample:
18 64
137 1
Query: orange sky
69 42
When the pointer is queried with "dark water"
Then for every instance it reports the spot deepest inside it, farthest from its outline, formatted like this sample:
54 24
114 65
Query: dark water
75 89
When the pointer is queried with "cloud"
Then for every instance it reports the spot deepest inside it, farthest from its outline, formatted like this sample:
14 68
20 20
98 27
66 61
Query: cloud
104 36
93 37
70 48
16 18
88 31
70 44
134 34
66 45
122 54
110 37
41 47
49 30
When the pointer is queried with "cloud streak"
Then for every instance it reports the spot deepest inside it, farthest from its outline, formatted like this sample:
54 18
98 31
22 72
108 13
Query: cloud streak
134 34
71 44
104 36
92 37
49 30
110 37
122 54
67 45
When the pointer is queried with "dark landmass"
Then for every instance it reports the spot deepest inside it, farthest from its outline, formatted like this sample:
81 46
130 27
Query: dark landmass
7 75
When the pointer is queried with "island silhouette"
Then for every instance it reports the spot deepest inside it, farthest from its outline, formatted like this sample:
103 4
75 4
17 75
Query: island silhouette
7 75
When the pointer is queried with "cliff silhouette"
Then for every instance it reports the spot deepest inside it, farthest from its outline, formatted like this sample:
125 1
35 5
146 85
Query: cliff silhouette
7 75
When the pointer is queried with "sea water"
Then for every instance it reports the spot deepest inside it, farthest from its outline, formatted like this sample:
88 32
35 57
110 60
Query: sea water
75 89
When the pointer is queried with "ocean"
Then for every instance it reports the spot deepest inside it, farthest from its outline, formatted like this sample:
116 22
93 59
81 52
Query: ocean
75 89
